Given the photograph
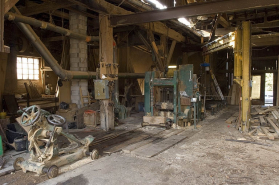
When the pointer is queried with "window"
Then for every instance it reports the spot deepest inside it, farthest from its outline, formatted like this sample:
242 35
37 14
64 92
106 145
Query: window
27 68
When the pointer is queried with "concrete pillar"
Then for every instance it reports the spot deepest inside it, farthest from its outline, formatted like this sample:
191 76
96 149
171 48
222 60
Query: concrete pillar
78 57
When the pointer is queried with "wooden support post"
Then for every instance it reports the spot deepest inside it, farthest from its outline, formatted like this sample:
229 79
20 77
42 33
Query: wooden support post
246 74
277 100
171 52
2 11
159 63
237 54
106 55
9 4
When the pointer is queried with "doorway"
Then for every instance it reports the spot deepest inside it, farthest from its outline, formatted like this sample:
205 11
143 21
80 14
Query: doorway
268 98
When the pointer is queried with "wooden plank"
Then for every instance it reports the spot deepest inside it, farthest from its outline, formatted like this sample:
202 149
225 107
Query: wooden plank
258 109
164 134
9 4
273 125
267 110
119 147
269 135
155 149
262 120
232 118
154 119
252 131
275 114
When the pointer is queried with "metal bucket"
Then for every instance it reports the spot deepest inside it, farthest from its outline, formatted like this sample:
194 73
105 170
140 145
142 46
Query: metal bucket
20 144
89 118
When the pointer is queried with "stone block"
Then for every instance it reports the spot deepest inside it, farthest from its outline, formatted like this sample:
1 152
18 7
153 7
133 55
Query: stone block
83 83
74 45
74 93
84 88
75 83
74 88
73 55
74 64
74 50
82 55
74 69
82 64
75 97
83 69
75 60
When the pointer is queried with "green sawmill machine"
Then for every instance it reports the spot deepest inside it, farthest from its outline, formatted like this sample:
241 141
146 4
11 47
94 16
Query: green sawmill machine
172 101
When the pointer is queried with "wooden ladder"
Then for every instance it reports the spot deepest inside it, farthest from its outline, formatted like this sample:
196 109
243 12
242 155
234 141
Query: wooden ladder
81 97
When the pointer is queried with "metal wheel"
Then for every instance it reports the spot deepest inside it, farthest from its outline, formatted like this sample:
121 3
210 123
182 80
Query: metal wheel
17 162
56 120
94 154
30 115
52 171
168 125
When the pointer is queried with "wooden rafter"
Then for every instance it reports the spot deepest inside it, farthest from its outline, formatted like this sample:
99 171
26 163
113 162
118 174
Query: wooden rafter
156 27
44 7
9 4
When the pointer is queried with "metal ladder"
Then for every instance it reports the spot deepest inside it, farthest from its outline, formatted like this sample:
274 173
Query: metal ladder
217 85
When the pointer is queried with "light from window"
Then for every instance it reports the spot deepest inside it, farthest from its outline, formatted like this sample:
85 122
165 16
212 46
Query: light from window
27 68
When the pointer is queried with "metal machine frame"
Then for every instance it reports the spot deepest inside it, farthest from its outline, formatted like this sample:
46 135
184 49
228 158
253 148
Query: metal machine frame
187 105
45 155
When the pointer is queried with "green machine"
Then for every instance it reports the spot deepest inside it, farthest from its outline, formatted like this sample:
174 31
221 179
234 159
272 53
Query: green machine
172 101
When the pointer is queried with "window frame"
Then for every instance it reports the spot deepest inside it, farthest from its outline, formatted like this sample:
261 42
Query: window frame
39 64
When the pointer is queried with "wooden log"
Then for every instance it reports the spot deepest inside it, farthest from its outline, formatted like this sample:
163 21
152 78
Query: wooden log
268 134
252 131
262 120
154 120
273 125
232 118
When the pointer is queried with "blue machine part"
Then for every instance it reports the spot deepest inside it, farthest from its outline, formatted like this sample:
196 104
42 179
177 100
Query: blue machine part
205 65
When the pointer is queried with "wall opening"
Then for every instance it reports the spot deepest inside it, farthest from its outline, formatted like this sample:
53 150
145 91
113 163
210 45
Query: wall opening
256 87
268 98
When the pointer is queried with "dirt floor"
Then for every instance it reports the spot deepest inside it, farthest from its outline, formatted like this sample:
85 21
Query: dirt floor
204 157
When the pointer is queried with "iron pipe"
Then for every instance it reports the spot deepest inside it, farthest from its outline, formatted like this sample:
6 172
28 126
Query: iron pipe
45 25
57 69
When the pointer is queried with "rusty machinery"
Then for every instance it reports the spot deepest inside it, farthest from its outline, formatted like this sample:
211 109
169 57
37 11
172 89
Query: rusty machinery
45 155
172 101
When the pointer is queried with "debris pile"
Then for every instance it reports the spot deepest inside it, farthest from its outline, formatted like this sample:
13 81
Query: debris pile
264 122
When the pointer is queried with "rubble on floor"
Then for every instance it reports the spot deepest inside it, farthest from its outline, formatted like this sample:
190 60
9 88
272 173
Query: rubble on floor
264 122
